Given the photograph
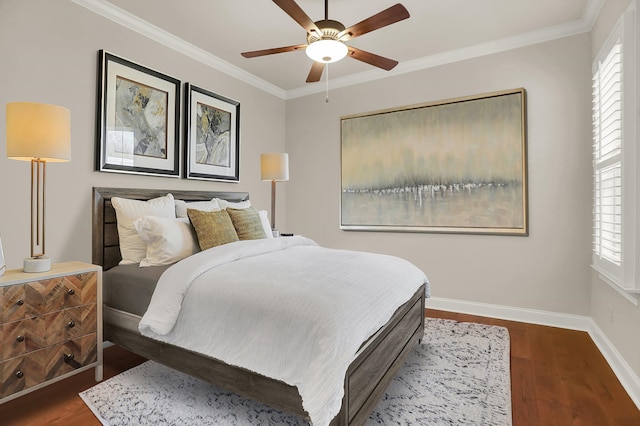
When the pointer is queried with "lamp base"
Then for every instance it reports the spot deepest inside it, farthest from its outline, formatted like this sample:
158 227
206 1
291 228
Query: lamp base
37 264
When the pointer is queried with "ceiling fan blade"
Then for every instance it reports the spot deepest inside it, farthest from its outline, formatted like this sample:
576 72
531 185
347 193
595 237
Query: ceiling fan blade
316 72
264 52
292 9
372 59
388 16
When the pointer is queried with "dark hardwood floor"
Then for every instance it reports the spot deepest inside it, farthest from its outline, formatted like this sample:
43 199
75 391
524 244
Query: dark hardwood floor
558 377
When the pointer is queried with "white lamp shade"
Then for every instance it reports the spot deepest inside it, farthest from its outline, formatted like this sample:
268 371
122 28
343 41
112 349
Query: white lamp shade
37 130
327 51
274 166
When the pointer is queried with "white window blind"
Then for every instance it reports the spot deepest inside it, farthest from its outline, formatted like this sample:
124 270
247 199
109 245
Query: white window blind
616 217
607 157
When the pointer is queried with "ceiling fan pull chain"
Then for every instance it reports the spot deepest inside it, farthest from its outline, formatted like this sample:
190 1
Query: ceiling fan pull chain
326 100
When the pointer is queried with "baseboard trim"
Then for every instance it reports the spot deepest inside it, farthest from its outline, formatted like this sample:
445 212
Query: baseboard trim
625 374
622 370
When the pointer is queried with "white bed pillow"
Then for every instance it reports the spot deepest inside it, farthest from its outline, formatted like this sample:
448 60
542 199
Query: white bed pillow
264 218
168 240
239 205
205 206
132 248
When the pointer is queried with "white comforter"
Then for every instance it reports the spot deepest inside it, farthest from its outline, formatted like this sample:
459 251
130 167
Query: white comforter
285 308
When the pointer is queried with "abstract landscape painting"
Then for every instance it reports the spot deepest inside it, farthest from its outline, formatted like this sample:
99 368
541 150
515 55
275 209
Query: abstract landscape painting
450 166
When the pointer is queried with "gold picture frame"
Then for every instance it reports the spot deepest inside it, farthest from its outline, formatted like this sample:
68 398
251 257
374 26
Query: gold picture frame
452 166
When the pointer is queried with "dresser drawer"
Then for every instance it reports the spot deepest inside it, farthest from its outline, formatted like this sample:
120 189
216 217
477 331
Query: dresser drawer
19 337
70 323
58 293
22 372
13 339
71 355
13 305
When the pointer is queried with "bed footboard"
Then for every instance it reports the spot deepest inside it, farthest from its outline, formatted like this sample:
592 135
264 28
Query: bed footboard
379 360
367 378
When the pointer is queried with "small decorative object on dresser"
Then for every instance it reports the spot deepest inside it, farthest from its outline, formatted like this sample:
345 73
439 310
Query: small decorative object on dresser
50 326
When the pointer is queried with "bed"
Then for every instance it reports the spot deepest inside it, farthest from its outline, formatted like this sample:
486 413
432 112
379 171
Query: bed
375 364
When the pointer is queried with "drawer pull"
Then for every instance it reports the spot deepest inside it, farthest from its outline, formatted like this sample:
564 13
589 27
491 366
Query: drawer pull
71 292
19 374
71 324
20 339
70 359
20 302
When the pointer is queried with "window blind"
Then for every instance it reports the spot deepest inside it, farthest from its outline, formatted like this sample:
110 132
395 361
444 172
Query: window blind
607 158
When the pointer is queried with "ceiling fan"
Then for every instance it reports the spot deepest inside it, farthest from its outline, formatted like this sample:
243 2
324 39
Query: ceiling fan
325 38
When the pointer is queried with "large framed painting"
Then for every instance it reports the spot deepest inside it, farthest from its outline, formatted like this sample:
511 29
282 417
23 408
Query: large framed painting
138 119
212 148
457 165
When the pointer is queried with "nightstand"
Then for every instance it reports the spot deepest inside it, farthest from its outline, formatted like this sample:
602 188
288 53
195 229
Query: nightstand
50 326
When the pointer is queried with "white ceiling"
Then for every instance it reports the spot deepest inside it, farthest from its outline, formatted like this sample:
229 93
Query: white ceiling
438 31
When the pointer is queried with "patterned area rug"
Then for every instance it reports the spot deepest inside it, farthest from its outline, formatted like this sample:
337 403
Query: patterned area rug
459 375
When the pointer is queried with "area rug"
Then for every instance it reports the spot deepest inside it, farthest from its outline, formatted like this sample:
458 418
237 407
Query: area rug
458 375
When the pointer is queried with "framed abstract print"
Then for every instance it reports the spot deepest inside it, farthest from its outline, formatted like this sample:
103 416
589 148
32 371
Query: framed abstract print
212 136
457 165
138 119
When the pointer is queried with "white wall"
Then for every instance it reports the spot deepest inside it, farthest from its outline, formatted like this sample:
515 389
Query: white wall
549 269
618 318
48 52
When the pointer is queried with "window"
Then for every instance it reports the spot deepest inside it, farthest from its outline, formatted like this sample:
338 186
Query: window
615 161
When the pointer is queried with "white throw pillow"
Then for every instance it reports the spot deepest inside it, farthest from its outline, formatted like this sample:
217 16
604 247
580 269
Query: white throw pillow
239 205
168 240
132 248
264 218
205 206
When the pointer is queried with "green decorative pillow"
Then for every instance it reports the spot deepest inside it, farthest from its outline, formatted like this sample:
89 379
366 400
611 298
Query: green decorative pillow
212 228
247 223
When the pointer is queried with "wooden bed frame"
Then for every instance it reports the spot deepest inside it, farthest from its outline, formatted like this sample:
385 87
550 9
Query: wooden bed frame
377 361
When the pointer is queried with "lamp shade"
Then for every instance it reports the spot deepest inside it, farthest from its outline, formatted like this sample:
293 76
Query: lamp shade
274 166
37 130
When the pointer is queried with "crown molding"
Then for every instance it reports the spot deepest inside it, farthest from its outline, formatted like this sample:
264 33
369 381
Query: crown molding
142 27
134 23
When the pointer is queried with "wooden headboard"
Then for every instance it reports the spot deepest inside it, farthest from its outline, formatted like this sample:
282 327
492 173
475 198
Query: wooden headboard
106 248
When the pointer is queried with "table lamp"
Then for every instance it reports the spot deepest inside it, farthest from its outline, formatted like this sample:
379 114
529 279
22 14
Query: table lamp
274 166
39 133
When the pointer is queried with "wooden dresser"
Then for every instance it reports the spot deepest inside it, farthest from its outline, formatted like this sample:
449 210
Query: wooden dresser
50 326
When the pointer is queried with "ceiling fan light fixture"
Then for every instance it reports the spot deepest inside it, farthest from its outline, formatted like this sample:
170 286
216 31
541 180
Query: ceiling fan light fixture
327 50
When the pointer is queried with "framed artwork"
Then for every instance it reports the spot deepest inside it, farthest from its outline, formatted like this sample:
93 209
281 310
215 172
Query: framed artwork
457 165
138 119
212 136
